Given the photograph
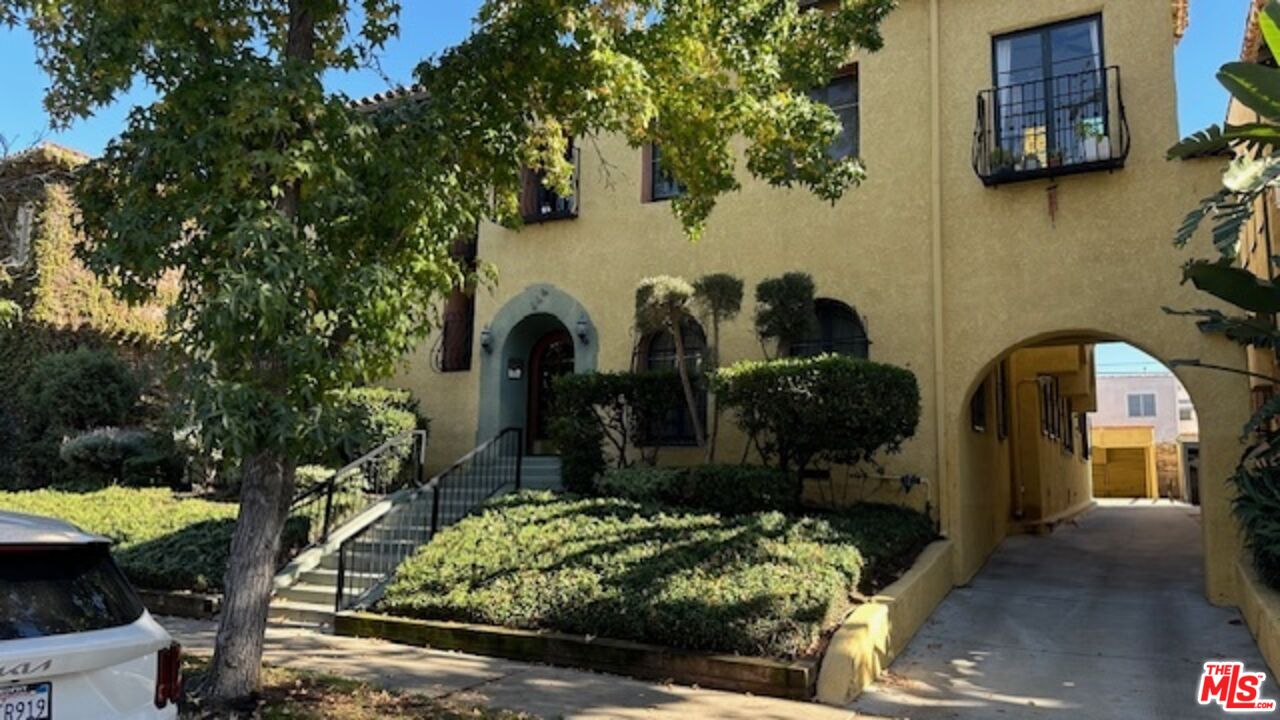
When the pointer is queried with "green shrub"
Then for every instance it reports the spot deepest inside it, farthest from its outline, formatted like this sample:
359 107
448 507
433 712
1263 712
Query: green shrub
109 456
727 489
643 484
828 409
161 542
613 410
1257 506
66 394
764 584
359 420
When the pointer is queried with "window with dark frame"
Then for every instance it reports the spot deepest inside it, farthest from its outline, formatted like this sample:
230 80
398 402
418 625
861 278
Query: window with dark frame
978 409
1086 442
457 332
538 203
841 95
660 183
1052 92
838 330
659 353
1069 428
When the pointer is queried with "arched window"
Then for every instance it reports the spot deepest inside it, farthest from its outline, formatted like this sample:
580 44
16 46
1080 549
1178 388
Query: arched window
838 330
658 352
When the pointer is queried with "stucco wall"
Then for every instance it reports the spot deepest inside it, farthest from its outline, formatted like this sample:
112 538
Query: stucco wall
950 275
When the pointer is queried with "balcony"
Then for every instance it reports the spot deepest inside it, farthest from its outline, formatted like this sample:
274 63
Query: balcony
539 204
1050 128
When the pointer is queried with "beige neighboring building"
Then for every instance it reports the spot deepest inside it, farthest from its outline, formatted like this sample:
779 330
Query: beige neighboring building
1146 438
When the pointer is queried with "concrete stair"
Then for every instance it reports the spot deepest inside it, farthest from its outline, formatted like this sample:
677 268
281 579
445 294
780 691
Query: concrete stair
541 472
310 598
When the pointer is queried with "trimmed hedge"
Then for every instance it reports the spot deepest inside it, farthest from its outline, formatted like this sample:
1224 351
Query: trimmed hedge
728 489
161 542
800 412
614 410
137 458
764 584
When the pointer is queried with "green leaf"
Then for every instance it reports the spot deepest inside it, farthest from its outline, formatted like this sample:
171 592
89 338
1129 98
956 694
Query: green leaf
1256 86
1263 417
1269 19
1235 285
1249 175
1216 139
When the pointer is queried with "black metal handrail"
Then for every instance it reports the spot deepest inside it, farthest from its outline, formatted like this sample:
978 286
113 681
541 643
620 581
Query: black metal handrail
1056 126
370 557
395 464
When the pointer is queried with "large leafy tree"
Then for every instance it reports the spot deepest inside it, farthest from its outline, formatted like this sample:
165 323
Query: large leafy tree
313 236
1251 179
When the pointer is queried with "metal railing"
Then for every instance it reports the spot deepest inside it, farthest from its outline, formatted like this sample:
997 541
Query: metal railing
328 504
368 559
1052 127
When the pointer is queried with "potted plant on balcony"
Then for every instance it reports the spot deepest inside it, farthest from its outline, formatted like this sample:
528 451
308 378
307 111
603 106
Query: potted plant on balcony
1002 160
1093 142
1055 158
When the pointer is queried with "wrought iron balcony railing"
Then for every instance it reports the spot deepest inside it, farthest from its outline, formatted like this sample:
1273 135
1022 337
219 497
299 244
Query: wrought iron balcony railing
1049 128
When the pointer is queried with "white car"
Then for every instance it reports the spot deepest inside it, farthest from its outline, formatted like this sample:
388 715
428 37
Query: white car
75 641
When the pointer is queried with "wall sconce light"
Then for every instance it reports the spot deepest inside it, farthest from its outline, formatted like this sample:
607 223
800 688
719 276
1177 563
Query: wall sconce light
584 330
515 369
486 339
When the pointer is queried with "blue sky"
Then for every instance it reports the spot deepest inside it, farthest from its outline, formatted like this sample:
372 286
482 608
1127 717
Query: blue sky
431 26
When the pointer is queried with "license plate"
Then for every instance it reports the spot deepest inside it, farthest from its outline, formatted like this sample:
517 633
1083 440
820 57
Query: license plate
27 702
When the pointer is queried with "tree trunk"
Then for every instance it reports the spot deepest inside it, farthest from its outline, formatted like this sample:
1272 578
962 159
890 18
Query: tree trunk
688 386
265 496
266 490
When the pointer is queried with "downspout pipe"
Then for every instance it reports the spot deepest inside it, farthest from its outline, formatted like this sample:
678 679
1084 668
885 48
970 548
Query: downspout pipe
947 500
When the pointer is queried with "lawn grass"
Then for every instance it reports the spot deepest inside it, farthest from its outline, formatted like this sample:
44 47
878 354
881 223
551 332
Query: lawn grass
161 542
764 584
311 696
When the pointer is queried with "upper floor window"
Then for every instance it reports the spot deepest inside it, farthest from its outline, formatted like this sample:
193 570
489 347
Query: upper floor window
659 183
1055 107
538 203
841 95
838 330
658 352
1142 405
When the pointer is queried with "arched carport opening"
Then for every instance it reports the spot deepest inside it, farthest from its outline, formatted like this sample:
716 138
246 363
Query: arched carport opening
1025 456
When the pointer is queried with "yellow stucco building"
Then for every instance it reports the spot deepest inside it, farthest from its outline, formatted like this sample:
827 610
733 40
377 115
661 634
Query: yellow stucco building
1019 209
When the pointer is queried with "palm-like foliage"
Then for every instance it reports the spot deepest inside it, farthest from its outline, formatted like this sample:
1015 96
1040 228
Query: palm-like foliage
1251 176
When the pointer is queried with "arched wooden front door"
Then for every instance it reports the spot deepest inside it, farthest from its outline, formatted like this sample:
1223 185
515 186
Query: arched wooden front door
551 357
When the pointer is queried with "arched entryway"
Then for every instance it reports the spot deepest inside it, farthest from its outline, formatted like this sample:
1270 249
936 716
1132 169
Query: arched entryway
538 335
1029 470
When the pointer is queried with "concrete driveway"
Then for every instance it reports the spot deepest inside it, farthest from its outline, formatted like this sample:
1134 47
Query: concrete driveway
1105 618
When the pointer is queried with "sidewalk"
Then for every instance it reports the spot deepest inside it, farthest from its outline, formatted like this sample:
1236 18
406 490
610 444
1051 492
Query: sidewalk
541 690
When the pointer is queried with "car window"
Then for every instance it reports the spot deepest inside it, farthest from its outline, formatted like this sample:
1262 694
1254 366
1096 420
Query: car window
60 589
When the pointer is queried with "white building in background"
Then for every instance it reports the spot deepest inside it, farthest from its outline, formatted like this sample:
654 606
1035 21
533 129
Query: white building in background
1149 400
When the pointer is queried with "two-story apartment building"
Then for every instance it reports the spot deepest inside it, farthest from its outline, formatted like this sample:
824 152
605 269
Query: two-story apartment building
1019 209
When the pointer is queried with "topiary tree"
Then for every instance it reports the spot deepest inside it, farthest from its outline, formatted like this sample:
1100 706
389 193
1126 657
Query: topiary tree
312 235
719 296
784 310
662 304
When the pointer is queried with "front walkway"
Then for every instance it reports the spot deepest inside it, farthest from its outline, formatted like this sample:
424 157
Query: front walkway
1105 618
545 691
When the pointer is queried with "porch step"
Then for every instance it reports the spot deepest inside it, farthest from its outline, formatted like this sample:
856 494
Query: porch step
541 472
296 613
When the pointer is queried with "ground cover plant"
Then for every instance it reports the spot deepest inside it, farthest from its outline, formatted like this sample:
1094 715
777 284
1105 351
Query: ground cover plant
763 584
162 541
